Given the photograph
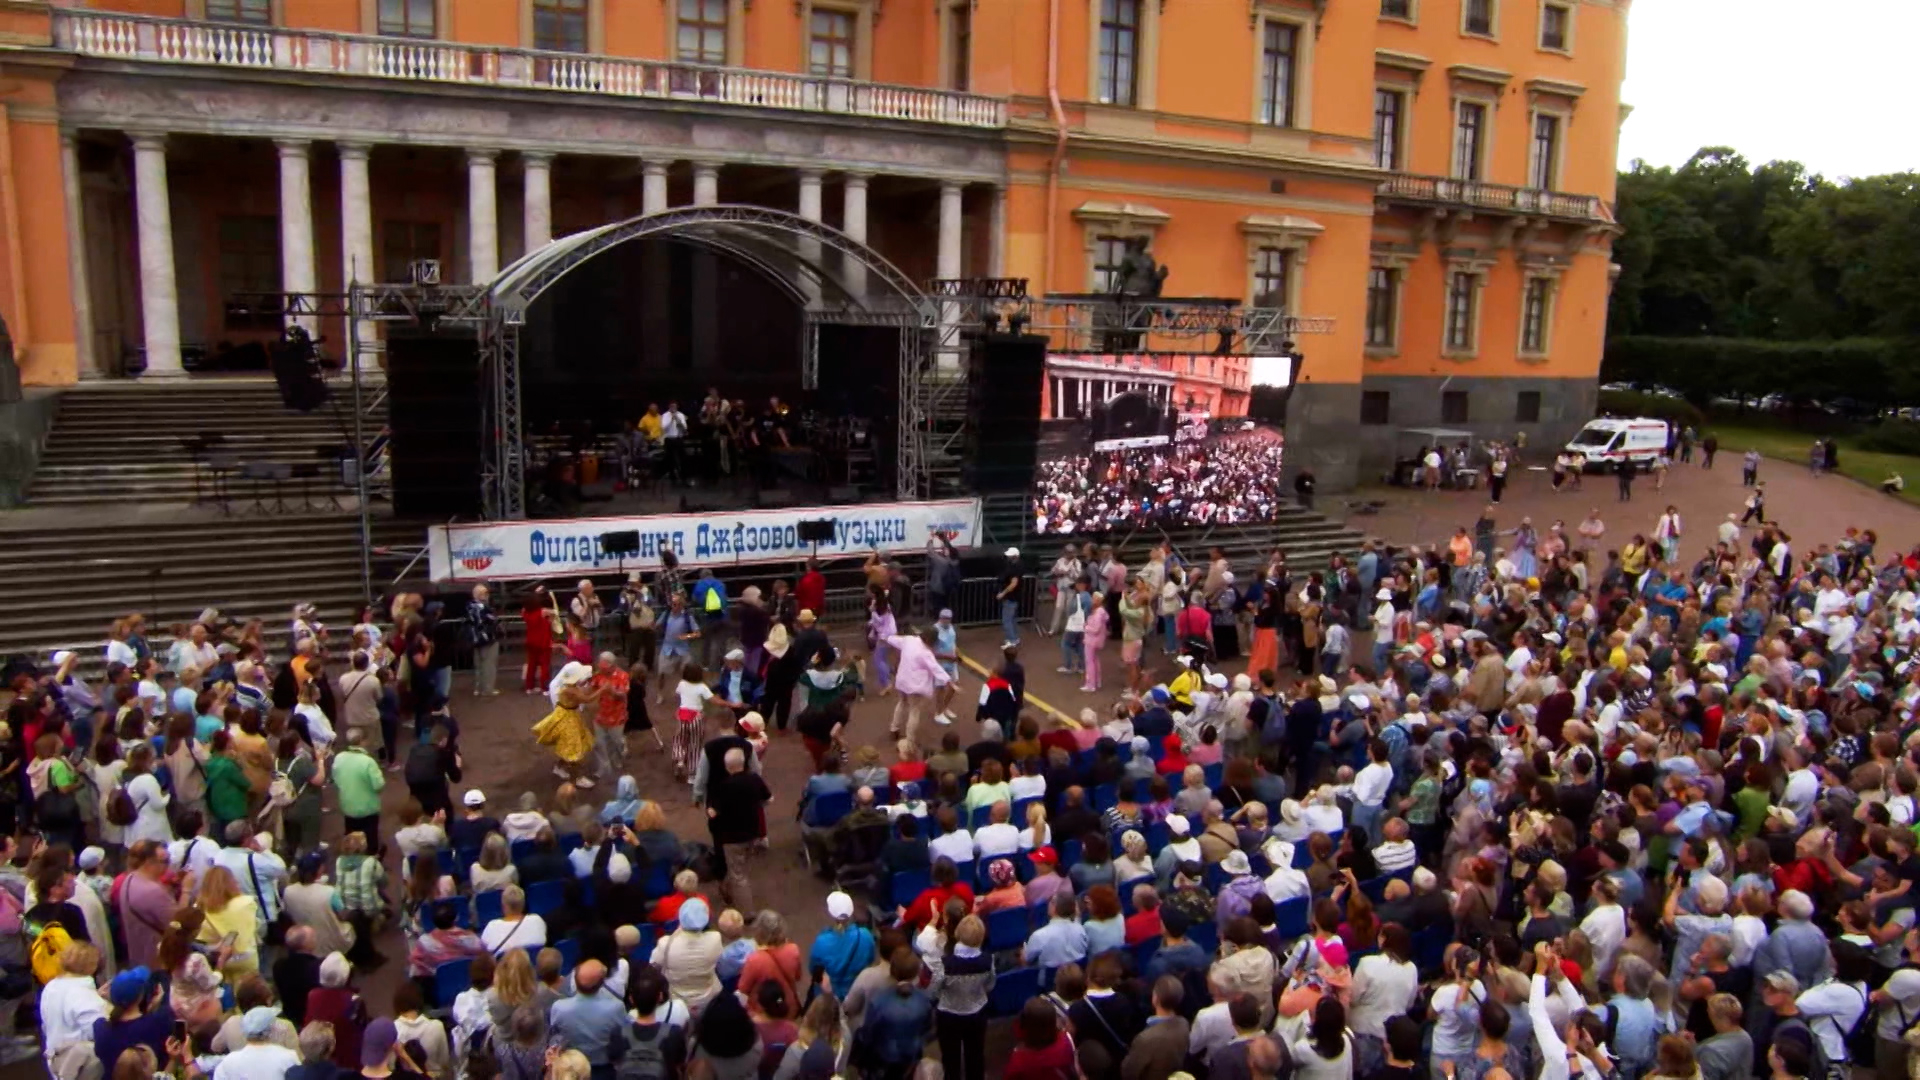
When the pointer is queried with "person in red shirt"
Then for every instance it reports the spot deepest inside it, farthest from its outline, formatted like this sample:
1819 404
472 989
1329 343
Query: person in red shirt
1060 735
909 769
1041 1051
946 884
1144 923
537 614
810 593
1175 761
686 886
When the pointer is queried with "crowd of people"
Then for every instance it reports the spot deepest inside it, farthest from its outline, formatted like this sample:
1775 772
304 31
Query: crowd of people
1225 480
1519 806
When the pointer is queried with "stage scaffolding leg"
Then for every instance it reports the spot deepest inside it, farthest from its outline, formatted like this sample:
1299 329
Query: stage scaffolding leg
916 427
505 491
356 298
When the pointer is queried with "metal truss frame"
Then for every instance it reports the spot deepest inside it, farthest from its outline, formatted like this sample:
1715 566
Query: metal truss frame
1079 322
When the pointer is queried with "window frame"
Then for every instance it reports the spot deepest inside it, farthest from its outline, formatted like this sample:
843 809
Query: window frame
1411 16
1106 85
1463 399
1098 272
702 26
1492 32
863 16
1280 270
1548 285
956 45
1556 159
201 10
374 19
1395 281
261 270
1452 345
1382 416
1278 105
851 42
1570 14
1483 148
561 9
1399 142
1300 93
1521 400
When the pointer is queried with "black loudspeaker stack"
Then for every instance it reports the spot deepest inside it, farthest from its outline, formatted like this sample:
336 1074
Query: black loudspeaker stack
434 396
1004 375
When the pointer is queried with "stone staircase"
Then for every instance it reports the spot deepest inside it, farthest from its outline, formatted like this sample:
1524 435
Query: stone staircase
117 441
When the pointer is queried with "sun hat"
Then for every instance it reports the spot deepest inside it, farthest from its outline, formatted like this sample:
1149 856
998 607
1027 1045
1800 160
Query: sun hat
694 914
474 798
1236 863
839 905
257 1023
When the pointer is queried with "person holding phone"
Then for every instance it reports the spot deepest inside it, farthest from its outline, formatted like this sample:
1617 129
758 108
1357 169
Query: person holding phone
138 1016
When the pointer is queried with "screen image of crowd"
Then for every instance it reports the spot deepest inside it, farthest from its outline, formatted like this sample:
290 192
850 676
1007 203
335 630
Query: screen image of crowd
1233 476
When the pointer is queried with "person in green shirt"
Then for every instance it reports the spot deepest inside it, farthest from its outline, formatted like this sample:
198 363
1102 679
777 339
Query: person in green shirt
1750 803
357 776
227 789
54 785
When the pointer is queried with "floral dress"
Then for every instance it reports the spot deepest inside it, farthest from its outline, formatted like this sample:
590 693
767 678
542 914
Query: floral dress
564 730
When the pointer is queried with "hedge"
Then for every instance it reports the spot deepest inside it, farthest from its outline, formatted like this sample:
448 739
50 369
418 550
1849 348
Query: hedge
1871 371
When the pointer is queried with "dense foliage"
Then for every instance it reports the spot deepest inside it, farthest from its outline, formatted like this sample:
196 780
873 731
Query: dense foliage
1783 281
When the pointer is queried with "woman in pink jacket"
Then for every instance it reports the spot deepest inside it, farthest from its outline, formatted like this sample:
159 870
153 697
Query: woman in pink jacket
1094 638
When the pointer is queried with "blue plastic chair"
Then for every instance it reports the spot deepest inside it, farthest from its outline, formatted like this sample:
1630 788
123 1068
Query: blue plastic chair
829 808
883 795
1142 789
1125 750
1143 954
1158 836
908 884
965 871
1430 949
1006 929
1206 935
450 980
447 863
643 952
486 907
462 917
981 816
1216 876
1302 858
1012 990
1020 810
1375 889
1216 774
520 849
571 843
1126 891
569 953
1069 853
1259 864
1105 797
1290 917
658 881
545 897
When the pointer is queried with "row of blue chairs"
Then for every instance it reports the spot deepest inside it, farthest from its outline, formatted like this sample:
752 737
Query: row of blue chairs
455 977
656 878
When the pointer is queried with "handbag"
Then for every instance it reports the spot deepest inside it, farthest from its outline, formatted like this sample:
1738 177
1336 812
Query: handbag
555 622
274 932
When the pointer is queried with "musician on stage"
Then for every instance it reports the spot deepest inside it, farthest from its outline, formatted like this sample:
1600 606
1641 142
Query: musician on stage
718 424
673 435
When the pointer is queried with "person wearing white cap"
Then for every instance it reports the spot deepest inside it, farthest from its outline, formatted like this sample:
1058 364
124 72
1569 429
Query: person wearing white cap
946 649
1007 591
564 730
843 949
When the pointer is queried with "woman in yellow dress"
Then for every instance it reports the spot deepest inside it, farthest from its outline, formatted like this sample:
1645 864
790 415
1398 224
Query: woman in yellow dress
565 730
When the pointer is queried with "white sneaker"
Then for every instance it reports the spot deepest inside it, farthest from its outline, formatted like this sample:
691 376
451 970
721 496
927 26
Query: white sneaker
561 772
584 782
1064 670
943 719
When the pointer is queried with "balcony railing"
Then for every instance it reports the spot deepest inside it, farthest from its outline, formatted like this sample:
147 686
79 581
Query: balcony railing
1445 191
177 41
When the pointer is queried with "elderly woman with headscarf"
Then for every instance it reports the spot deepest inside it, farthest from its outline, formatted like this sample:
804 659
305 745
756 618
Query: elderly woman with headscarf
337 1003
625 804
565 730
689 956
1134 860
1007 892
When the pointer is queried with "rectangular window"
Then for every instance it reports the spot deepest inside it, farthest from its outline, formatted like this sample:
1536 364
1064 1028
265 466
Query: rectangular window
960 49
257 12
1119 51
1396 9
401 242
1526 409
1543 161
1388 108
1469 139
1555 19
1276 73
560 25
1382 296
249 263
830 44
1479 17
408 18
1462 290
1108 253
1453 407
701 32
1376 406
1533 315
1270 268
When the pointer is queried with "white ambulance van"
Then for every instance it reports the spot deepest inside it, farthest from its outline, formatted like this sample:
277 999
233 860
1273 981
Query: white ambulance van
1604 443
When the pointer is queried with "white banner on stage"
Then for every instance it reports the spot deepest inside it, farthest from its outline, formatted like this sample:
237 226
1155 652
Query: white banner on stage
498 550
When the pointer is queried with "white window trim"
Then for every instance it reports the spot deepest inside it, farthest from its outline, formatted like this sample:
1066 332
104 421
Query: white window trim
1396 268
1119 220
1403 137
1559 145
1411 18
1493 22
1146 62
736 32
1478 269
947 8
596 26
863 15
1303 37
1291 234
1572 9
276 12
1527 278
1485 162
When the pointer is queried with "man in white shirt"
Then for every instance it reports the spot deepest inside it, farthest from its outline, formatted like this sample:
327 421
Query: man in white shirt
1729 532
1285 883
260 873
259 1059
1213 1026
1803 787
1396 852
673 435
999 836
1831 1008
193 854
1370 786
955 843
70 1003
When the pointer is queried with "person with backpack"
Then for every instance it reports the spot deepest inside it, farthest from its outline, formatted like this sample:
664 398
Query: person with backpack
433 765
1837 1010
70 1005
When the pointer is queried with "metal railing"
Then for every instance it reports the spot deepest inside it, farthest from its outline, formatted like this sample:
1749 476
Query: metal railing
1479 193
181 41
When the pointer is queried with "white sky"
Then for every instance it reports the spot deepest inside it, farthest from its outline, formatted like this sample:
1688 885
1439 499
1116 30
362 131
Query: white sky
1826 84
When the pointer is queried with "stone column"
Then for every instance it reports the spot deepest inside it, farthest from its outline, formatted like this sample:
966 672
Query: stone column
159 295
947 265
356 236
483 223
706 184
810 194
653 187
84 358
997 234
853 222
296 223
538 200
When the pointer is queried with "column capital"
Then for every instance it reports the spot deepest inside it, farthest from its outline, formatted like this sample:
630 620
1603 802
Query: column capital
293 147
539 158
482 157
811 176
353 151
952 186
856 179
150 141
710 168
654 168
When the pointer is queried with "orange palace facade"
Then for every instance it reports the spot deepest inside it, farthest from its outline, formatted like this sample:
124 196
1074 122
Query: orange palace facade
1429 182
